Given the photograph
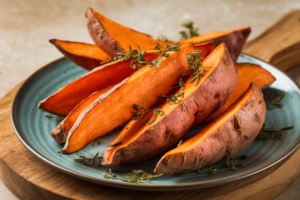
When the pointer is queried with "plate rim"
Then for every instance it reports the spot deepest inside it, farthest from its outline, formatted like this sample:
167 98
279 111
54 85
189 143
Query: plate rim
143 187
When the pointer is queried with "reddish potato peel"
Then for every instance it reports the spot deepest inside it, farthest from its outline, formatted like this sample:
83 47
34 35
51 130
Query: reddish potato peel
143 141
227 135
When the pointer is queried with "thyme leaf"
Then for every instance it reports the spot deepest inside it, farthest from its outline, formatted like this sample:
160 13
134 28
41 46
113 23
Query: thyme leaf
138 61
109 175
162 37
53 116
164 53
276 102
195 63
277 133
143 109
85 160
191 31
140 177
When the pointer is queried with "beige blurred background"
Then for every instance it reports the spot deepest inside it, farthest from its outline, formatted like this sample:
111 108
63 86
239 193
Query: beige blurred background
26 27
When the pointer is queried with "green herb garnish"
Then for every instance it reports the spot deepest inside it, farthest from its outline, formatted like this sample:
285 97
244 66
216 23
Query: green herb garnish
276 102
109 175
277 133
138 61
53 116
191 31
164 53
162 37
212 170
140 177
143 109
84 160
195 64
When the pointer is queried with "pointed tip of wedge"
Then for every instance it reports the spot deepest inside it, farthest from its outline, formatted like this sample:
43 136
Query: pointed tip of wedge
52 41
59 134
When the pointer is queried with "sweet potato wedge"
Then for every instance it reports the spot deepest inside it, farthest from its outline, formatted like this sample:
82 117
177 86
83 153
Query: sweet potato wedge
248 73
230 133
233 39
64 100
87 56
110 111
115 38
141 140
60 132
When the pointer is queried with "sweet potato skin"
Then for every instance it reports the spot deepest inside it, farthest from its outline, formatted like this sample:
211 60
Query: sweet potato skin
234 42
115 109
229 139
248 73
100 36
210 96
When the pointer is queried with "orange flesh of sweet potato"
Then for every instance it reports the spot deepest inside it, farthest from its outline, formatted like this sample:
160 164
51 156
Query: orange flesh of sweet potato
248 73
142 141
64 100
60 132
87 56
230 133
115 38
146 83
233 39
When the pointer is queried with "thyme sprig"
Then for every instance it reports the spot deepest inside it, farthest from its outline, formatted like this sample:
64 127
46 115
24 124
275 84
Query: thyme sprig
143 109
109 175
138 61
195 64
229 161
171 99
54 116
179 84
211 170
163 38
277 133
164 53
191 31
140 177
276 102
85 160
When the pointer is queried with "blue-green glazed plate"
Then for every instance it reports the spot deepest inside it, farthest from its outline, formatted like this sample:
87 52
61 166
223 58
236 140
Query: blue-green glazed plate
33 129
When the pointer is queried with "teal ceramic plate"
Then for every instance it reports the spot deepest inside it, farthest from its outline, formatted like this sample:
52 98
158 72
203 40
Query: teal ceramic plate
33 129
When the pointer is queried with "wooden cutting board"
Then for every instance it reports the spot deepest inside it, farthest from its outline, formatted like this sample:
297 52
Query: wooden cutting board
31 179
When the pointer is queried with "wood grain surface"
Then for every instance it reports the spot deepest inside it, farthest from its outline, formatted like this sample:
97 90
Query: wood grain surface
30 178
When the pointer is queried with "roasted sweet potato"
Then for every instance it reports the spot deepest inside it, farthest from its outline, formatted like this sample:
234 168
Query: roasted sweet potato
248 73
233 39
115 38
60 132
230 133
115 109
87 56
64 100
141 140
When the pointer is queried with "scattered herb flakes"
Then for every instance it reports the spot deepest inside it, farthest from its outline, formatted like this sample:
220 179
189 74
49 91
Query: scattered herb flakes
276 102
140 177
191 31
277 133
86 161
109 175
143 109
